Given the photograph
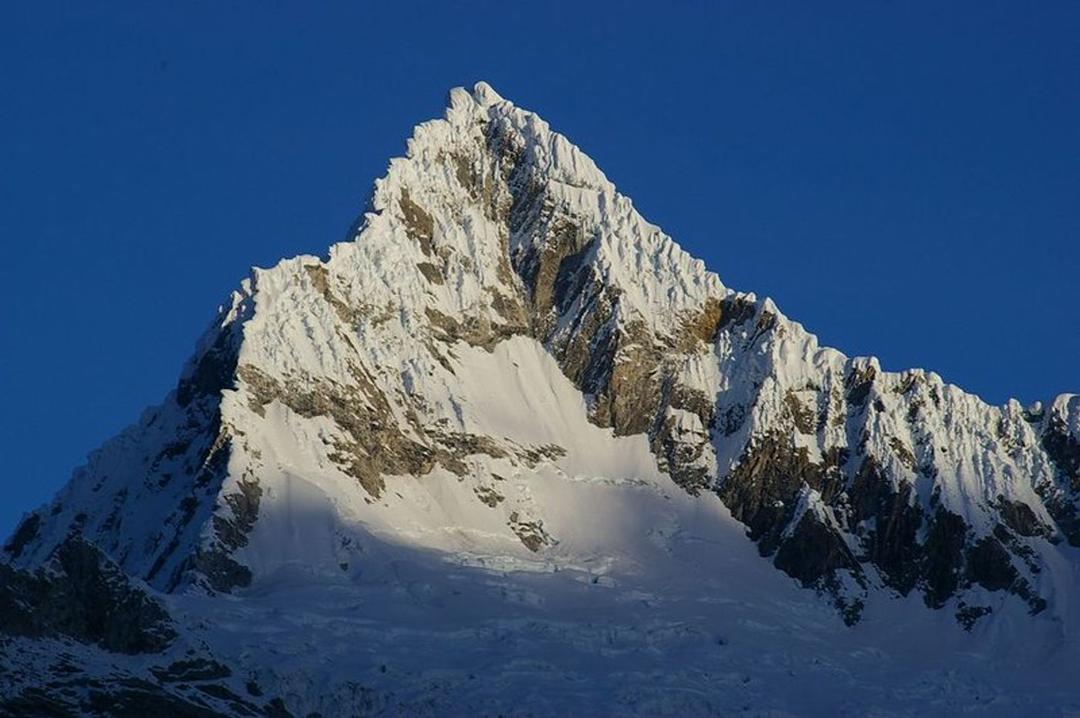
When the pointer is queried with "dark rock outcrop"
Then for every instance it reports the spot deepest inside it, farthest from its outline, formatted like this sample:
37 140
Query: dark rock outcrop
81 594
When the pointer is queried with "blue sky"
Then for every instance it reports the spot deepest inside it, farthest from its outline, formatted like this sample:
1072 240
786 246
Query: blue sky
903 178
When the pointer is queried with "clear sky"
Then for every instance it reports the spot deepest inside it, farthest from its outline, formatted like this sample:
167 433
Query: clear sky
903 178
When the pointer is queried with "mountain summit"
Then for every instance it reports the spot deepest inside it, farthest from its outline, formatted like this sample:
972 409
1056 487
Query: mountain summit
510 445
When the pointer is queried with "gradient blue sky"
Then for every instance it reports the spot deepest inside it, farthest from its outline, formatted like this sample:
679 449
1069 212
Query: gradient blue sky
903 178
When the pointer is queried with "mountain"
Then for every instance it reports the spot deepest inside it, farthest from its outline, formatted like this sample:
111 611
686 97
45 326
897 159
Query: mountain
510 450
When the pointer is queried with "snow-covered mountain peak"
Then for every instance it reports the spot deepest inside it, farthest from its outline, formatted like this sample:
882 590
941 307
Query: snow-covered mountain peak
482 95
485 94
504 335
508 401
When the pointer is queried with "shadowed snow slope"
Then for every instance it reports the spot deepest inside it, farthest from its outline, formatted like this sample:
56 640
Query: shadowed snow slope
510 450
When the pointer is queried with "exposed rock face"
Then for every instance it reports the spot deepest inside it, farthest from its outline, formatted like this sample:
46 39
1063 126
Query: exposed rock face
82 595
851 479
1060 438
61 628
